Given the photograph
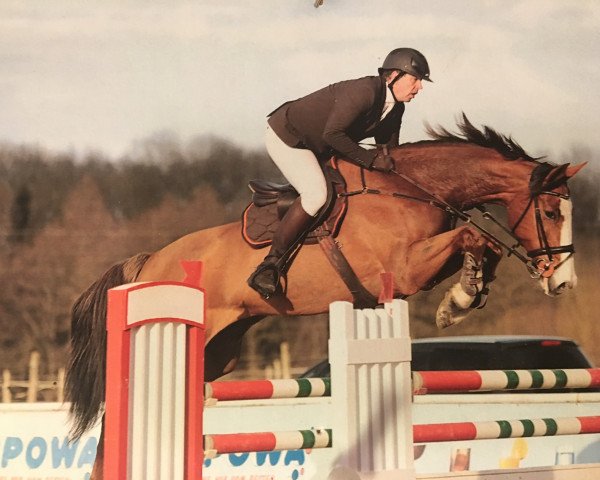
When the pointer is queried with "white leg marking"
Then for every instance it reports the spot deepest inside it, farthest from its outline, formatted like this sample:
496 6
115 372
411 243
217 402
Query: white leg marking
461 298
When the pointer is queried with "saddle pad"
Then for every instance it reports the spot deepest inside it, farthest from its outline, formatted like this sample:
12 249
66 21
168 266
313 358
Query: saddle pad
259 223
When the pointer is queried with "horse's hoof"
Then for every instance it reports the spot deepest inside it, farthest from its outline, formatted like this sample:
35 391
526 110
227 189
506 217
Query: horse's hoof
443 319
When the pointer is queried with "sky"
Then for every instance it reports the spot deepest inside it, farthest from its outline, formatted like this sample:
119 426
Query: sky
106 75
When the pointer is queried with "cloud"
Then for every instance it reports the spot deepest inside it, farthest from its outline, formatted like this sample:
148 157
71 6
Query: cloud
102 74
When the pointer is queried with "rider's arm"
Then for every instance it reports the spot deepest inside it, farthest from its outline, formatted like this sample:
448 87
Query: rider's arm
346 110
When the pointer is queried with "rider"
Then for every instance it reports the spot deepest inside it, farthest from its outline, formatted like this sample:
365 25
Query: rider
303 132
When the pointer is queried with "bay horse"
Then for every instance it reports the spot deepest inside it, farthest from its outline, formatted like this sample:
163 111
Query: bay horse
402 224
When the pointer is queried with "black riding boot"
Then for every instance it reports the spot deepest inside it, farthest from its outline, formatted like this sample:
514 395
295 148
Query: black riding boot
265 279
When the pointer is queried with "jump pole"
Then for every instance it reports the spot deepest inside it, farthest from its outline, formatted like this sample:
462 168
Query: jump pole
154 379
498 380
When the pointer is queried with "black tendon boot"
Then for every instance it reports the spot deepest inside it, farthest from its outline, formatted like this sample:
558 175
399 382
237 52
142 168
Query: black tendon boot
265 279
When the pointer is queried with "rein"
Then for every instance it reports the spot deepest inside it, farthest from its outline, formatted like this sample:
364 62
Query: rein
535 271
467 218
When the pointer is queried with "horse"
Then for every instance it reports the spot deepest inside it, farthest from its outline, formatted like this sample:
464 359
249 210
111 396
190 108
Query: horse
403 223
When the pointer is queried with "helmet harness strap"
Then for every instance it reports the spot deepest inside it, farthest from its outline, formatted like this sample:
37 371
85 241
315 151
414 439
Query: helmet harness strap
391 84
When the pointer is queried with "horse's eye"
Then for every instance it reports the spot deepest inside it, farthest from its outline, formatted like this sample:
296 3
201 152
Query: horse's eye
551 214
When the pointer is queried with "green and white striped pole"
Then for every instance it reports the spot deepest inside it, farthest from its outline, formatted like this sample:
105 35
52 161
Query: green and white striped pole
264 389
479 380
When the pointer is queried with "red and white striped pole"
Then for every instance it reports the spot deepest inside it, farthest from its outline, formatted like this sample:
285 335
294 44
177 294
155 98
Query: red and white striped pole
491 430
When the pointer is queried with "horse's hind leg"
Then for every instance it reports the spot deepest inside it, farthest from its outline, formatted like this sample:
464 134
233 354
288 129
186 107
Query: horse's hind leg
98 470
223 351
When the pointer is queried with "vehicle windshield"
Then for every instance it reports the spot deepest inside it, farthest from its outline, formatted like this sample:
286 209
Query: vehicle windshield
479 356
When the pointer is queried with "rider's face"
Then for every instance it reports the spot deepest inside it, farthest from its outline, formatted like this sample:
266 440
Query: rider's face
406 87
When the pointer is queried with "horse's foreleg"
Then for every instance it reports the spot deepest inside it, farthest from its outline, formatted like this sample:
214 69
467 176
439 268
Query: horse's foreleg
471 291
427 262
477 275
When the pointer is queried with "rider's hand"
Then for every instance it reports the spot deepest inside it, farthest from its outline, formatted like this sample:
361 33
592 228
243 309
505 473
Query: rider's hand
383 163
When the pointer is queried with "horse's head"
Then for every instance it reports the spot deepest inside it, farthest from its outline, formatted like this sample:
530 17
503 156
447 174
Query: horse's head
541 220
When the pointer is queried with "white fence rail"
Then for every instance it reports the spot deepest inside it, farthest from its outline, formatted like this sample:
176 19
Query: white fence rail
29 390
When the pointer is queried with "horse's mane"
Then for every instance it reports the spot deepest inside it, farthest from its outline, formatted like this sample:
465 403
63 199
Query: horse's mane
486 137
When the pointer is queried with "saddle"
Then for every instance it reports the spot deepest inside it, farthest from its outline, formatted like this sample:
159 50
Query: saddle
270 202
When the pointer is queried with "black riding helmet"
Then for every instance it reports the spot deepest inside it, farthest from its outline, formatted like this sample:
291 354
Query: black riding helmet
407 60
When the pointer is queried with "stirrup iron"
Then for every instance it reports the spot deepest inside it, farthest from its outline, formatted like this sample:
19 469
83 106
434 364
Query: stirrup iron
263 267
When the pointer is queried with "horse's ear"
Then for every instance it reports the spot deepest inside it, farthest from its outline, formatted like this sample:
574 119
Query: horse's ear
555 177
571 171
560 174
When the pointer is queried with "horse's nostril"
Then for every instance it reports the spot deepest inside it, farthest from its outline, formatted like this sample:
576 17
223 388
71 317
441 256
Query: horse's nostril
562 287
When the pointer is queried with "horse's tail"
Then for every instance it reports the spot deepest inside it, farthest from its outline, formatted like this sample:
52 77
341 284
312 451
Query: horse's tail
85 379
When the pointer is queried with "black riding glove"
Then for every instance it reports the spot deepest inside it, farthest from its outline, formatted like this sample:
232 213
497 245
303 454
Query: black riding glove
383 163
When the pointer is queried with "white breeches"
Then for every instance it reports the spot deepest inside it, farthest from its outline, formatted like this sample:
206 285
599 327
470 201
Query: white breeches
301 168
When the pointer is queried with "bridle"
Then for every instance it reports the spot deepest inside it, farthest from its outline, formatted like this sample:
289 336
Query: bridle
538 175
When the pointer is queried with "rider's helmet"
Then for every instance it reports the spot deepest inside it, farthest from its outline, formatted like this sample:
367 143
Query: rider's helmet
407 60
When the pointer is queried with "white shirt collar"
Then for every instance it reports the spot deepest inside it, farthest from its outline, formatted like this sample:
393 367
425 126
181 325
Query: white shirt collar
389 102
